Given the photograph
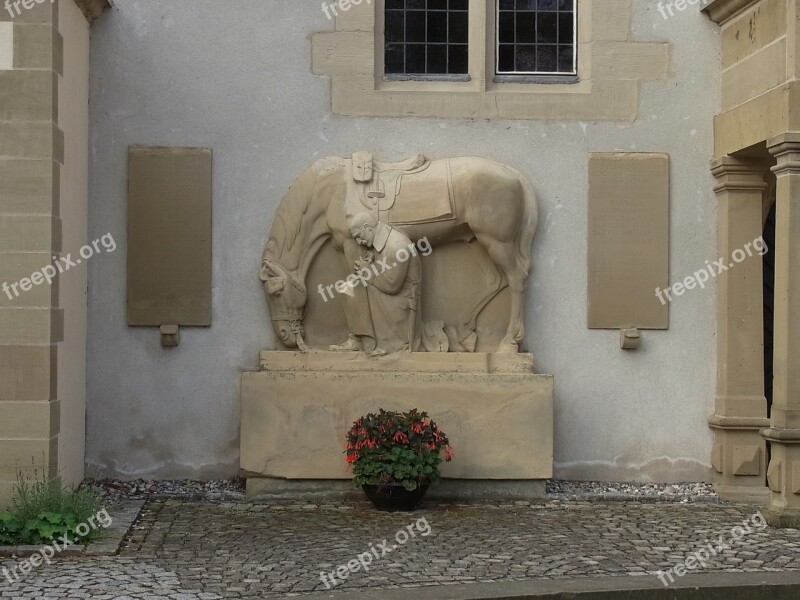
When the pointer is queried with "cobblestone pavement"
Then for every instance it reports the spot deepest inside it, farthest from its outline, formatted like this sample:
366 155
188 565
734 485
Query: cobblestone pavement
198 550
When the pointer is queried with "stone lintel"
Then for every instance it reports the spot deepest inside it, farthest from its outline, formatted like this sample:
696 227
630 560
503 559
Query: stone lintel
92 9
720 11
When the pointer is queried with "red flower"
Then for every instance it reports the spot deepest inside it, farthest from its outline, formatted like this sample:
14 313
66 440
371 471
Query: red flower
448 453
400 437
352 458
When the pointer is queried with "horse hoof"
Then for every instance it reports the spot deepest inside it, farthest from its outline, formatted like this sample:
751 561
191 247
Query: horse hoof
507 348
470 341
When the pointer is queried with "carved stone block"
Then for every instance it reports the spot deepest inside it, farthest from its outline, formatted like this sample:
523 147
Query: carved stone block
746 460
497 413
775 475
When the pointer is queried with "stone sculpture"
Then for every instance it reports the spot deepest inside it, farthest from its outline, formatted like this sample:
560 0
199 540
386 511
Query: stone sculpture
392 289
443 201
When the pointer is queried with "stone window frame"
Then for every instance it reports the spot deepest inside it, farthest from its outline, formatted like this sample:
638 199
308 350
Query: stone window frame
610 67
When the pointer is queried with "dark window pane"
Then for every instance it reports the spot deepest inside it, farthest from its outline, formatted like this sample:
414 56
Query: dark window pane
395 58
526 58
547 28
565 56
543 39
395 25
565 31
457 60
526 27
437 58
426 37
546 58
459 28
437 27
415 58
415 26
506 27
505 56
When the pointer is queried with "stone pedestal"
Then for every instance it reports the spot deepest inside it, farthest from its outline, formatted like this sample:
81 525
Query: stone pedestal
497 413
739 456
783 475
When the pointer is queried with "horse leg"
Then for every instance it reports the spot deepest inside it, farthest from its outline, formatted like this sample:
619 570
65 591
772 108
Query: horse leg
467 322
505 257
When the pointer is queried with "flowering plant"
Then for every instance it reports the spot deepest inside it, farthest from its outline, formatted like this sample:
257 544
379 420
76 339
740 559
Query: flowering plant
396 447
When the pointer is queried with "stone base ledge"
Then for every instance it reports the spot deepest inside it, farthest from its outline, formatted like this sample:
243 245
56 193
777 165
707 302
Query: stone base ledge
446 489
782 519
497 413
756 495
419 362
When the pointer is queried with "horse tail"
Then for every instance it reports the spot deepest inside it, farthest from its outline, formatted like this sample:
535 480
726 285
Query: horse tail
527 231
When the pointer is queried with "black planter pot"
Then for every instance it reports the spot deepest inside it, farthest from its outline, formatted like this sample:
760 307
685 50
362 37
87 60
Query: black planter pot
394 497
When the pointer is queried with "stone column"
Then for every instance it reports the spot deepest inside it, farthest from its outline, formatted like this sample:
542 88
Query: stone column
44 62
31 322
739 452
784 432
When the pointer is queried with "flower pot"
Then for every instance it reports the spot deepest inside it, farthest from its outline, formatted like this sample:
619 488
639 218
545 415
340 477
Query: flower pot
394 497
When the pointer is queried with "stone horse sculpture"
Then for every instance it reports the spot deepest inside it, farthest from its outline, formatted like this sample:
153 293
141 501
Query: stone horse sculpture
447 200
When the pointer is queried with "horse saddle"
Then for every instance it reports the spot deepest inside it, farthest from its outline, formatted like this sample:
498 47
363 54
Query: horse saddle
415 190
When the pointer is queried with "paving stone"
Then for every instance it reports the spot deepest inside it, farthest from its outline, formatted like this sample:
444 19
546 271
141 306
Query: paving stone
183 549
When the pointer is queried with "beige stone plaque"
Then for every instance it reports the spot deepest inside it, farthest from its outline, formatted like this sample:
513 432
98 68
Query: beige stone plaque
628 240
169 236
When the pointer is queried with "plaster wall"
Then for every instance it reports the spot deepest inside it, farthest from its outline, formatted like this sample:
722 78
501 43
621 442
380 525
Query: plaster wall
236 76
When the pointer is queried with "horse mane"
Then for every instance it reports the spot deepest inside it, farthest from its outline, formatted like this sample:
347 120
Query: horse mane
292 209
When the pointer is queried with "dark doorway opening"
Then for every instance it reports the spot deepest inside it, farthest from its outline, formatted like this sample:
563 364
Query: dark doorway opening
768 262
769 303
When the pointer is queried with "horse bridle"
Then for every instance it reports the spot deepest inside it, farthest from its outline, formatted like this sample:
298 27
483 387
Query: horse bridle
295 320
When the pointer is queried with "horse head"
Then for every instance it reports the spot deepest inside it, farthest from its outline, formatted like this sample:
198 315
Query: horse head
286 299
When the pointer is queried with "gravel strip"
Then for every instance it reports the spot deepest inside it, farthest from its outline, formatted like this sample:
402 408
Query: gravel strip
639 492
233 490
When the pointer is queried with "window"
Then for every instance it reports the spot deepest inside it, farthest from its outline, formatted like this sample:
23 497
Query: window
426 37
441 58
536 37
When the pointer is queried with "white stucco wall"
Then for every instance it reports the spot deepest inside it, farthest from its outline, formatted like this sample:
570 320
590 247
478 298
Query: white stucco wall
236 76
